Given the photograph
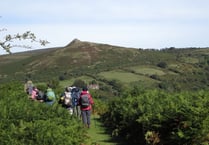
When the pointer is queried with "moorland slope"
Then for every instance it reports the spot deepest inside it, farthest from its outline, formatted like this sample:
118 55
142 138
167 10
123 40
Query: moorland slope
169 68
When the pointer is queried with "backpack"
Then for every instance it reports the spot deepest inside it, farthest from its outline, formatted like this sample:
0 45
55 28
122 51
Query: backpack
84 100
75 95
39 95
50 96
68 99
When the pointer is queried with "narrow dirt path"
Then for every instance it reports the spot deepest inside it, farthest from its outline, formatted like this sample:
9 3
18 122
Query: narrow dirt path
97 133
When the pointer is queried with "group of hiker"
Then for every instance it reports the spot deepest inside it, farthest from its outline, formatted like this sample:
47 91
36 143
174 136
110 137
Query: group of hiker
77 102
35 94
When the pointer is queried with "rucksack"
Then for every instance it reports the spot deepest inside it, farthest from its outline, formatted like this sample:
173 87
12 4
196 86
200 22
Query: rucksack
40 95
84 100
75 93
67 99
50 96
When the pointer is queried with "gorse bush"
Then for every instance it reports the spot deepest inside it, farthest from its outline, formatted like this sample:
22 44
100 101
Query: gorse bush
156 117
25 122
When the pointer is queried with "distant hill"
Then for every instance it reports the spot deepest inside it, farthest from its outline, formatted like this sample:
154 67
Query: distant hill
170 69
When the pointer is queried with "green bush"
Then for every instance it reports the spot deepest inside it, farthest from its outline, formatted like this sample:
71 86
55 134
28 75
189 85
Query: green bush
162 64
156 116
30 122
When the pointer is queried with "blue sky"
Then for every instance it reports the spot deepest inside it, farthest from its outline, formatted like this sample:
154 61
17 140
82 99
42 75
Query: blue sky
129 23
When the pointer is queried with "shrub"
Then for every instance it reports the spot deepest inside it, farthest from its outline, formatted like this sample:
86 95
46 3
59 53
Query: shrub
162 64
179 118
28 122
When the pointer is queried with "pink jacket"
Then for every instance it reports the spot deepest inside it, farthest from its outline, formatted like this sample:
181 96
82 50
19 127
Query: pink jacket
90 100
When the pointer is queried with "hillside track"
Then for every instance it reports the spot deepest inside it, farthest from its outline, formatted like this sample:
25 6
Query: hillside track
97 133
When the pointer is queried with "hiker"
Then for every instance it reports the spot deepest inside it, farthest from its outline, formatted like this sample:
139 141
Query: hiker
34 93
40 96
67 100
50 97
85 101
28 87
75 96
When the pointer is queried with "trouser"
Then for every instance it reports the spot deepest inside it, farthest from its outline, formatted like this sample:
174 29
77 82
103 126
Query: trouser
77 111
86 117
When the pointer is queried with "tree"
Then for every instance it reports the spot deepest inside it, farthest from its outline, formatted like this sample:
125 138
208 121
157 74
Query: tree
79 83
7 42
162 64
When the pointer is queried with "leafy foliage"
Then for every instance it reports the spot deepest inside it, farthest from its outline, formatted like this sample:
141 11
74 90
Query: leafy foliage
178 118
162 64
6 43
79 83
28 122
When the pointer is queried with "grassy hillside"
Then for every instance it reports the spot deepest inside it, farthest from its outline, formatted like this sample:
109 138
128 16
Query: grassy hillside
170 69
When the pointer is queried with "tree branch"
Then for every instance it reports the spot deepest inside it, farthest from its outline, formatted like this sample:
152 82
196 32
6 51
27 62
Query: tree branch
8 39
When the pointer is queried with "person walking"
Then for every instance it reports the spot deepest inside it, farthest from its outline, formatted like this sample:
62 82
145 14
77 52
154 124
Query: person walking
34 93
28 87
50 96
75 92
68 100
85 102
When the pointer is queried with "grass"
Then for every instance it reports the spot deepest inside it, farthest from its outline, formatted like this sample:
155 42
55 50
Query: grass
148 70
97 133
190 60
123 76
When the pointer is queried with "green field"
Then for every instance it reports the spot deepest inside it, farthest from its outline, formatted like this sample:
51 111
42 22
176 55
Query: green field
148 70
123 76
